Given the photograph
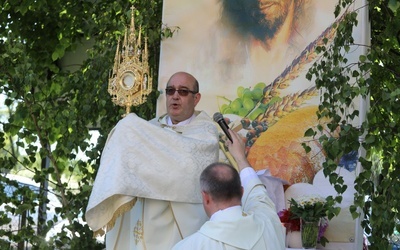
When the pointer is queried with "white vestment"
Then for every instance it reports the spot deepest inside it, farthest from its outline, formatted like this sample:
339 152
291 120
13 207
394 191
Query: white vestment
150 177
255 225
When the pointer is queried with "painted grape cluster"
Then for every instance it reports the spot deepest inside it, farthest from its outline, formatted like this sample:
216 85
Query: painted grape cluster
254 129
247 105
246 101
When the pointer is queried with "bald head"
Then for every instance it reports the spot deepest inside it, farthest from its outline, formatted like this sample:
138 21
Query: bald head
185 77
222 182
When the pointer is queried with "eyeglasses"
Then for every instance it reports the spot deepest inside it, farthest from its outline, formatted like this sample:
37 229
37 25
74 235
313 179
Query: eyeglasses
181 92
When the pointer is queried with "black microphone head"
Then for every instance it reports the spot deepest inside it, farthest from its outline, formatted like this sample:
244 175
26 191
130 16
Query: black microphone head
217 117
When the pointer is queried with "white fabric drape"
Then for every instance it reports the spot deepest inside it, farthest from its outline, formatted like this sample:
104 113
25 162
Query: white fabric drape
142 160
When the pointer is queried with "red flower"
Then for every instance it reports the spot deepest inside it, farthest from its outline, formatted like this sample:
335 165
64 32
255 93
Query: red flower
290 223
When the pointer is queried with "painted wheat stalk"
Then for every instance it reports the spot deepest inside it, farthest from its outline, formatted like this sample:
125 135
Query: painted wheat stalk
278 109
308 55
291 102
288 104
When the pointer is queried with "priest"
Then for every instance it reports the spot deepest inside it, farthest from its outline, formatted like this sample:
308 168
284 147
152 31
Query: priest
146 193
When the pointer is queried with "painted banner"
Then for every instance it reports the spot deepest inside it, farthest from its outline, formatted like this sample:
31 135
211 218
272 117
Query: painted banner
251 64
250 58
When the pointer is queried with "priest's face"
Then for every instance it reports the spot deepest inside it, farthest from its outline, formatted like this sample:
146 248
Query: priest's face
181 104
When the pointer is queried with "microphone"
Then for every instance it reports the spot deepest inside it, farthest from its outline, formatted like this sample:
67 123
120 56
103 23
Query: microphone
218 118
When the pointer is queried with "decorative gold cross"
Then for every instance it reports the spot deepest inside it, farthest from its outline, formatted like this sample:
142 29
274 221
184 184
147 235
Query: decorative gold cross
138 232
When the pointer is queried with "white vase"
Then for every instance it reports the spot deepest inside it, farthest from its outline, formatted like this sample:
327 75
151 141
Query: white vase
294 239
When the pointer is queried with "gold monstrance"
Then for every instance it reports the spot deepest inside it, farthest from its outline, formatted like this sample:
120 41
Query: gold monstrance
130 82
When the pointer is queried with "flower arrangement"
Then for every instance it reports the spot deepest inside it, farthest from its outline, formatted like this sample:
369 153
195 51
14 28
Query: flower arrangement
309 208
287 218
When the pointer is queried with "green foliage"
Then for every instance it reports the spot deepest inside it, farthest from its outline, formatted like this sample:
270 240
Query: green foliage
52 109
374 77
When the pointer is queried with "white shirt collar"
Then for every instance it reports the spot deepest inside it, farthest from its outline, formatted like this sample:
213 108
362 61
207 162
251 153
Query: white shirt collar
185 122
221 214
